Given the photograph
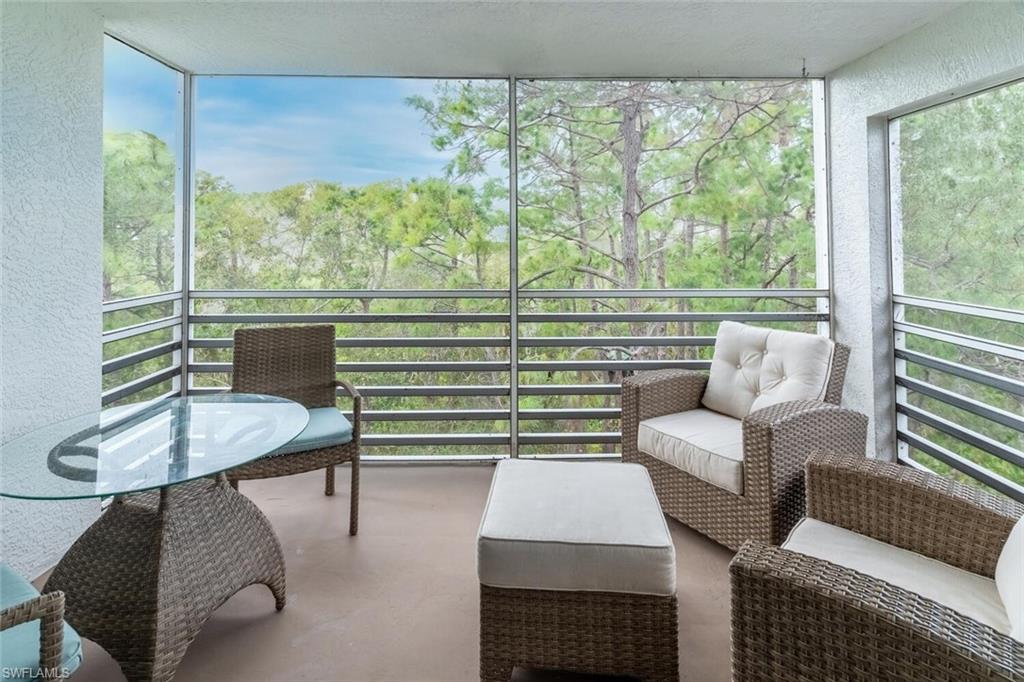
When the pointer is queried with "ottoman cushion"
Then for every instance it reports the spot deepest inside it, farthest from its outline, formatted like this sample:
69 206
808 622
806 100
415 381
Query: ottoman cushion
580 526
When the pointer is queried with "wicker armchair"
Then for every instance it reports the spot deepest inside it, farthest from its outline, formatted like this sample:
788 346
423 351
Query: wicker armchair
51 649
797 617
776 441
297 363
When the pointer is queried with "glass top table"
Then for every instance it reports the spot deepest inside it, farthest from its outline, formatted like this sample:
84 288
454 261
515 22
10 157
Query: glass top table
134 448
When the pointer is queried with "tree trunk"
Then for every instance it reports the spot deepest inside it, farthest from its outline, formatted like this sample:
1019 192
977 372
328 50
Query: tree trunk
723 251
629 129
631 140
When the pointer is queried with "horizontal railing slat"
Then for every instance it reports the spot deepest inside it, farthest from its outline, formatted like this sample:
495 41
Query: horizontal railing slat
672 293
123 361
963 434
963 340
140 301
962 402
426 294
971 309
963 465
619 341
436 439
433 415
494 341
569 438
675 317
485 366
355 367
596 365
449 318
130 331
142 383
577 413
962 371
569 389
346 318
488 414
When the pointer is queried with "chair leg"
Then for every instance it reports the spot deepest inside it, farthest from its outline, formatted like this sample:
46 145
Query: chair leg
329 481
353 513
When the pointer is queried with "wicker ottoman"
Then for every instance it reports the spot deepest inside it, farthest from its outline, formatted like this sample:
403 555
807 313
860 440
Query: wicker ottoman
577 572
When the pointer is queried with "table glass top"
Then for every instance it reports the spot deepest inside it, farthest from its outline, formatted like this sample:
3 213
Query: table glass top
134 448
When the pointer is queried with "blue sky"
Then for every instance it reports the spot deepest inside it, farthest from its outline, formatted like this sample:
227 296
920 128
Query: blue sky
262 132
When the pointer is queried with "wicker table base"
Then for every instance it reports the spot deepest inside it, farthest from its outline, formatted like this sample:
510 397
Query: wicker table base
143 579
607 633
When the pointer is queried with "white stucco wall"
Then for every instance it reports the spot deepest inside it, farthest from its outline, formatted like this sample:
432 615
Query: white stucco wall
51 205
974 46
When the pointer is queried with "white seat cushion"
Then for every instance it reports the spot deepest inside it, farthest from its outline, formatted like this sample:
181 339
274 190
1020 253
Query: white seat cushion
586 526
967 593
753 368
702 443
1010 579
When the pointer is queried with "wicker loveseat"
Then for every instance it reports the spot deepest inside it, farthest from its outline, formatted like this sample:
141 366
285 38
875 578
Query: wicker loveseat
895 574
726 455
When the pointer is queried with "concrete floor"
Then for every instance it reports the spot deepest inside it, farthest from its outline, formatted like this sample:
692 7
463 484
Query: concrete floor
399 601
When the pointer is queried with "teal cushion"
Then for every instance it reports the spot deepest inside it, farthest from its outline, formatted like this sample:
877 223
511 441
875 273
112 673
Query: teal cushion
19 646
327 426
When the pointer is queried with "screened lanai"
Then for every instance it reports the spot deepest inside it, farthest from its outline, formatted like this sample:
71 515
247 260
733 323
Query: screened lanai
538 340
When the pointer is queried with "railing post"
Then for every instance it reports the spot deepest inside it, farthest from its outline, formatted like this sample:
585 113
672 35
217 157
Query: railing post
513 270
187 236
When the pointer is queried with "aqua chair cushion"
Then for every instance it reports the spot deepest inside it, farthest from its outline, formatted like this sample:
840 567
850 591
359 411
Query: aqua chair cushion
19 646
327 427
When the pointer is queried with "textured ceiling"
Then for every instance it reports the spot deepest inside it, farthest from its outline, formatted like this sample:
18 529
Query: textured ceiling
538 38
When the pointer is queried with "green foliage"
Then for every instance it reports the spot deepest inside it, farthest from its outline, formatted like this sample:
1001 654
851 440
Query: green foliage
959 200
138 215
621 184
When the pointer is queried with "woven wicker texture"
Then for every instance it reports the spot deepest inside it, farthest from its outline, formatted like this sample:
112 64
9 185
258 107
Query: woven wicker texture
48 609
796 617
777 441
143 579
297 363
931 515
586 632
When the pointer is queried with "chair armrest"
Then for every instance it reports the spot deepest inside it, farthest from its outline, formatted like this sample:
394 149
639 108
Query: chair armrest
777 442
801 617
357 405
660 392
656 393
899 505
49 610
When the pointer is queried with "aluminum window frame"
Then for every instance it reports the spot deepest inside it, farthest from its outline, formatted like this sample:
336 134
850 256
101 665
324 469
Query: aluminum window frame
185 340
904 384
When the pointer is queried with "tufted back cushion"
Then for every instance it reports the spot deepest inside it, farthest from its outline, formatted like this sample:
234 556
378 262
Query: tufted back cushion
754 367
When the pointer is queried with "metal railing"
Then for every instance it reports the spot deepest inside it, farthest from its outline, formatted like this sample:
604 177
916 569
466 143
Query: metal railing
959 384
546 366
580 369
142 345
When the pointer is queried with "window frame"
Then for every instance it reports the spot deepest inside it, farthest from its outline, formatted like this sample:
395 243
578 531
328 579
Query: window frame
902 357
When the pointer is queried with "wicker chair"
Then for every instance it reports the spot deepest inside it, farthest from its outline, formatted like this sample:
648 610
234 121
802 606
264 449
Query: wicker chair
35 641
798 617
297 363
776 441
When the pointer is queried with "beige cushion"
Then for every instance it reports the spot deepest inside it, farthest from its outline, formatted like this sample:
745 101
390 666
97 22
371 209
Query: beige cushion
967 593
1010 579
575 526
702 443
753 368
